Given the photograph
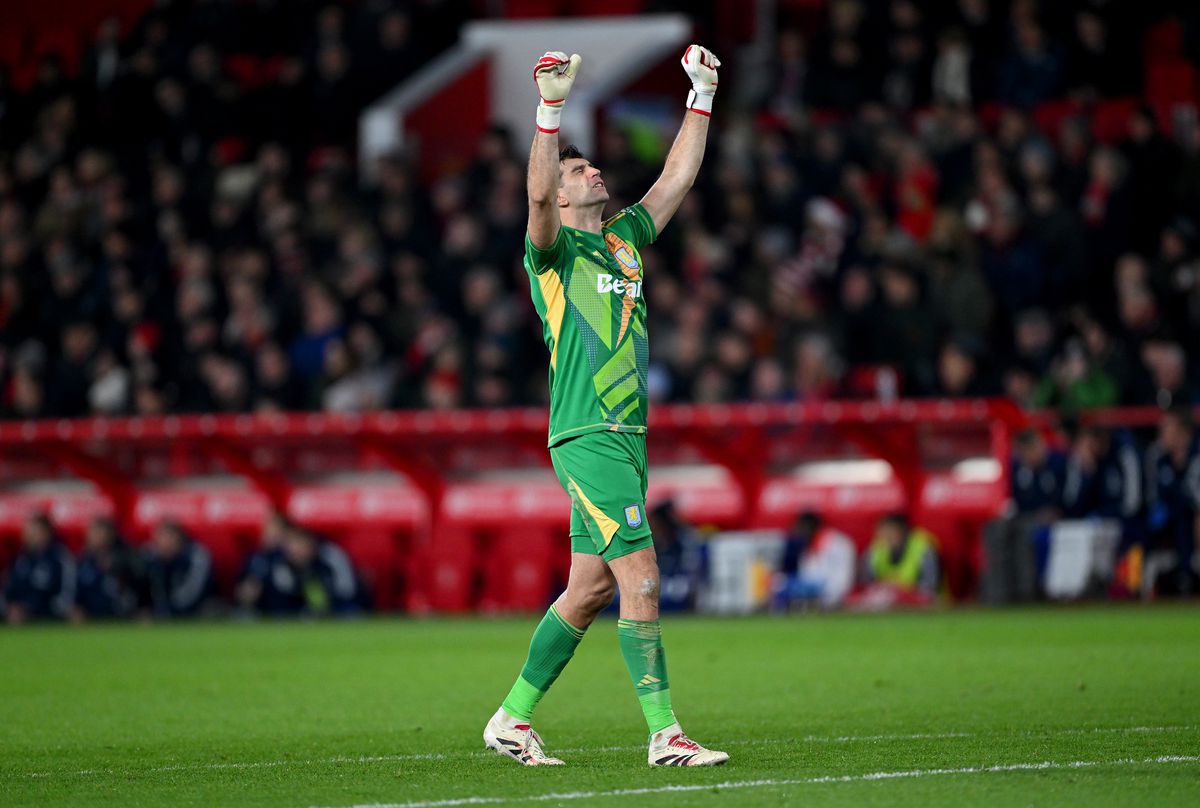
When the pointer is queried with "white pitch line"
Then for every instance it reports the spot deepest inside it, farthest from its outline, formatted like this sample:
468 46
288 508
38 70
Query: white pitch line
344 759
1045 765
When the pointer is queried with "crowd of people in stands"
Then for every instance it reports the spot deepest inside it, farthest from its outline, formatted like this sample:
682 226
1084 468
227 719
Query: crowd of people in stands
887 210
293 573
1102 481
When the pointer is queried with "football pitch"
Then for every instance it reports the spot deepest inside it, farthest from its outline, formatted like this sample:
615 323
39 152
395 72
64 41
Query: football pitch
1070 706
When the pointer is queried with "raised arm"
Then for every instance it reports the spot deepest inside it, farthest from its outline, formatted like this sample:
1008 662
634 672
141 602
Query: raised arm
554 74
683 161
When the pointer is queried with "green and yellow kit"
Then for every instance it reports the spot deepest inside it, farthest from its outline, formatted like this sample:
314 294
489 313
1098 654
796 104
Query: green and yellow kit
587 288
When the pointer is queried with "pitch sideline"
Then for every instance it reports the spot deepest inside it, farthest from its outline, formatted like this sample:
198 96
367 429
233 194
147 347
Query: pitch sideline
1045 765
343 759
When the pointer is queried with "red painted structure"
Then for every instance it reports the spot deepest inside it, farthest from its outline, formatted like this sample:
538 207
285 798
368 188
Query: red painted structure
460 510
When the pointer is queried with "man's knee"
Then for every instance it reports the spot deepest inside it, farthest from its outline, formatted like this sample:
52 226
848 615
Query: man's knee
595 596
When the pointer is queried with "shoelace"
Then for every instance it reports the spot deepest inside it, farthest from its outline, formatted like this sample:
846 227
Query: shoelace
533 743
684 741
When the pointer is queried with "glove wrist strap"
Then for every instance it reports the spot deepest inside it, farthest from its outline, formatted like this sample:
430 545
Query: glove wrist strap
548 116
700 102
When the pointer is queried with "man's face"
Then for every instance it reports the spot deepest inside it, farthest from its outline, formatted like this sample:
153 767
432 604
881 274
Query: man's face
893 534
36 536
167 542
299 547
1173 435
99 536
1032 451
581 185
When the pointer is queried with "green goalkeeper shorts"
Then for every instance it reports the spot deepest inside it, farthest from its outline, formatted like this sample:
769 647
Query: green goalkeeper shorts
605 475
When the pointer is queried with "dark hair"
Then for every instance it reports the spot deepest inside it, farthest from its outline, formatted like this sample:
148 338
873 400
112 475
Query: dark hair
1027 437
570 152
41 519
898 519
808 521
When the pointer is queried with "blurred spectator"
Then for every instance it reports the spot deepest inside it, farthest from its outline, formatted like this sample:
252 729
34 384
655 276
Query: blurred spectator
1038 475
680 558
900 566
40 583
313 577
1173 497
1103 476
958 370
1166 365
817 567
257 589
1075 383
109 579
176 236
906 327
179 574
1033 70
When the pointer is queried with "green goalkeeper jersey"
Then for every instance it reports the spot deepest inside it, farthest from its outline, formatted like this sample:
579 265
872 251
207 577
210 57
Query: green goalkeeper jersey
587 288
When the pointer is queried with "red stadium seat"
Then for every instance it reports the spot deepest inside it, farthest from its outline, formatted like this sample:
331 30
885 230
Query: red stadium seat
532 8
519 570
442 572
1110 119
63 43
12 49
1163 42
1170 82
376 555
1049 115
604 8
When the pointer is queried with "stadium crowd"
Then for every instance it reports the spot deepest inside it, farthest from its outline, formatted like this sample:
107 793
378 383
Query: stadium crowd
884 211
926 199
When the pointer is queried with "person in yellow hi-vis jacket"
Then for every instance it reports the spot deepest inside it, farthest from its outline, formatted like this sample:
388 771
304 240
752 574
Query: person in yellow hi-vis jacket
900 567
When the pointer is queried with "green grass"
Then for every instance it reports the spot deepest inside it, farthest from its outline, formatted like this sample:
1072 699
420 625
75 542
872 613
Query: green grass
333 714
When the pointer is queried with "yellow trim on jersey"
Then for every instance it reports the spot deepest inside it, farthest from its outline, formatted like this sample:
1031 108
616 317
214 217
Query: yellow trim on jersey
608 527
600 427
552 293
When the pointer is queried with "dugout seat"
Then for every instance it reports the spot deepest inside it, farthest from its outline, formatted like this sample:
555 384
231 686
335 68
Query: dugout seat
442 571
519 569
378 558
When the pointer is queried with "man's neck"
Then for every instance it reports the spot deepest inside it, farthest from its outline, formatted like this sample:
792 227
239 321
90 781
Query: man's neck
588 219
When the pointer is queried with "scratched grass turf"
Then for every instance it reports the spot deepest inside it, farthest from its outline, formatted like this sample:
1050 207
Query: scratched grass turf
1095 706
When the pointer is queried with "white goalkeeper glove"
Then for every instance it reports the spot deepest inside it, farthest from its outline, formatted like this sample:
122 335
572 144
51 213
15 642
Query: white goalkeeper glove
701 66
554 74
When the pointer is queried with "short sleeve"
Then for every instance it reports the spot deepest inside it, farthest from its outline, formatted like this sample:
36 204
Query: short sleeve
538 261
634 225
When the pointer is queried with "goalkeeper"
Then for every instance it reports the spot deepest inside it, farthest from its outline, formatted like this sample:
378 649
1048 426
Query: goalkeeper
585 275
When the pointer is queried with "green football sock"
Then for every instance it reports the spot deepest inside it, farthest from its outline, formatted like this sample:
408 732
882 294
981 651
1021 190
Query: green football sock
641 645
553 644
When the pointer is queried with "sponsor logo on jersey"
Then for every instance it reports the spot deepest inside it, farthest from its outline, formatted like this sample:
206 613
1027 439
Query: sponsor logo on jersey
633 516
608 283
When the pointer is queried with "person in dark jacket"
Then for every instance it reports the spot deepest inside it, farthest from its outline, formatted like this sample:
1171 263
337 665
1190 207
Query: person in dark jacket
179 573
1037 479
1173 495
109 576
1104 482
257 590
313 577
1104 477
41 581
680 560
